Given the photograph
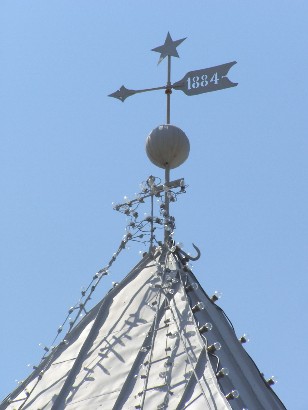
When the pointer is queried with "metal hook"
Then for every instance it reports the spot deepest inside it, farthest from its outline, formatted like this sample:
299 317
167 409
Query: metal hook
188 257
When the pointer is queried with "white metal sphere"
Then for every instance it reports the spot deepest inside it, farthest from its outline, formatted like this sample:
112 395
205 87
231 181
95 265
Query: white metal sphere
167 146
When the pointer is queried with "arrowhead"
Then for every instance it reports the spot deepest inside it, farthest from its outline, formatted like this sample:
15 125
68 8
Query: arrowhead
122 93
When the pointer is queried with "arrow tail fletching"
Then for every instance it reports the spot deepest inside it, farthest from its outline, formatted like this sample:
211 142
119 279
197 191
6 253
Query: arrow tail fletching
206 80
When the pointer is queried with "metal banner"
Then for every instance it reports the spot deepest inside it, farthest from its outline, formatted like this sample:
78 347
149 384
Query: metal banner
206 80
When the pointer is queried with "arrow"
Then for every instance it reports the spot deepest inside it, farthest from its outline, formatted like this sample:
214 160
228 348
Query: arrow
193 83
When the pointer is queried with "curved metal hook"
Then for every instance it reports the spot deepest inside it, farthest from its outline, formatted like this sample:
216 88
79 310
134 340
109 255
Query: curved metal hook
189 257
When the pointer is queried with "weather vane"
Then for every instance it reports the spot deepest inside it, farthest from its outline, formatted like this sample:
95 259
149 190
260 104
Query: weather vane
193 83
167 146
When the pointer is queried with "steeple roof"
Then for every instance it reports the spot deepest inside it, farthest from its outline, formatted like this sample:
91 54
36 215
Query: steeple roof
153 342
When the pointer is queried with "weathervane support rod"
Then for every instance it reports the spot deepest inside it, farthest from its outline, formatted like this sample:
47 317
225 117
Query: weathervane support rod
167 169
167 202
168 89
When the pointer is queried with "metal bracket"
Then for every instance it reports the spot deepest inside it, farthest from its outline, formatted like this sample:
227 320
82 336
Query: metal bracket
189 257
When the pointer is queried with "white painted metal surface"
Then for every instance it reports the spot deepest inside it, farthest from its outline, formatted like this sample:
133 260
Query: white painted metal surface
140 347
167 146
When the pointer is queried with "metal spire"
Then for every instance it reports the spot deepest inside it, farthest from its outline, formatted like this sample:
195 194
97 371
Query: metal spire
193 83
168 49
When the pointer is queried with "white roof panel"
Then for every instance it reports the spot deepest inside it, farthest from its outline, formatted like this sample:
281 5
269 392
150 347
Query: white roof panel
140 347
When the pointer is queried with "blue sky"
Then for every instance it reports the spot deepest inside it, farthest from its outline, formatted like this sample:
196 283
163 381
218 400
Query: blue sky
68 151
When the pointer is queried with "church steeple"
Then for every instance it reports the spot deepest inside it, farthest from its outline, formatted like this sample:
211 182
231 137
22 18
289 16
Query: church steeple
157 340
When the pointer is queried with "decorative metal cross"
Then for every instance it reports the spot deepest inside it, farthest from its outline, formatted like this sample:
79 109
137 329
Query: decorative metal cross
193 83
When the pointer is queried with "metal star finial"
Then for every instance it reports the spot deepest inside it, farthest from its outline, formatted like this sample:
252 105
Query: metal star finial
168 48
